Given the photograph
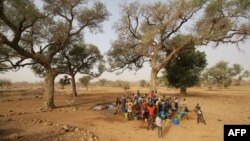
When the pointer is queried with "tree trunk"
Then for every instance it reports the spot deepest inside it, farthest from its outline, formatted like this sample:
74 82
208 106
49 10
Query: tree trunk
74 93
49 90
183 90
153 78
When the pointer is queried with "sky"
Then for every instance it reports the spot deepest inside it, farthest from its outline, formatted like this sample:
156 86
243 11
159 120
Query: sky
225 52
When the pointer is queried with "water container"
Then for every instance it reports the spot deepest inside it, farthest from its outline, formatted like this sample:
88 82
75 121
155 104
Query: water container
162 113
176 121
179 117
182 114
163 116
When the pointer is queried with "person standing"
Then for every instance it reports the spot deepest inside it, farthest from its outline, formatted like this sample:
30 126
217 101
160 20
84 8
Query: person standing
151 112
158 123
176 105
118 103
130 109
200 117
124 101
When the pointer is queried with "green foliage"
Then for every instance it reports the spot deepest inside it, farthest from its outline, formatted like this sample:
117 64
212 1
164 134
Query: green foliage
103 82
196 3
64 81
223 75
5 82
40 34
123 84
143 83
81 58
85 80
156 32
185 69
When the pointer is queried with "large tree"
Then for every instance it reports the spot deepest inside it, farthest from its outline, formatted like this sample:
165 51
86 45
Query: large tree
145 31
38 34
184 70
81 58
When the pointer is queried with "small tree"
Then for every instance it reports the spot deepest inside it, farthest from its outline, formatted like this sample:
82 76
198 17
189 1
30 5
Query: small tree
103 82
122 84
64 81
223 75
85 81
6 83
143 83
80 58
184 71
125 85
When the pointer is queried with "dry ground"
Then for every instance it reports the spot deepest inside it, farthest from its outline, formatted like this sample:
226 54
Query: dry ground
19 119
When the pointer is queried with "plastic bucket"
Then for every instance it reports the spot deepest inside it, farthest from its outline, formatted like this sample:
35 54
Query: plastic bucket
182 114
176 121
163 116
162 113
178 117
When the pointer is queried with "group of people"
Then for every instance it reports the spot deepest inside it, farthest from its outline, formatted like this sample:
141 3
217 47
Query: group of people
153 108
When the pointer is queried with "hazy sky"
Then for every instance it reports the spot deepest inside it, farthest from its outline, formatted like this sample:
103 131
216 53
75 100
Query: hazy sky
229 53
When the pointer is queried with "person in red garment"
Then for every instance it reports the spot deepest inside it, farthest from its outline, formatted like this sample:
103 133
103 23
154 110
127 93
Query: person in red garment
151 111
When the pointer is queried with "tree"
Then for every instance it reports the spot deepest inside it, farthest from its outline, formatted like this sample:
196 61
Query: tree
81 58
222 75
125 85
64 81
146 31
184 71
239 73
38 35
143 83
103 82
5 82
85 81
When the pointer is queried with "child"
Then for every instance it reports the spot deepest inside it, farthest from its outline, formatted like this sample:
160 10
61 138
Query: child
158 123
130 109
185 109
200 117
197 107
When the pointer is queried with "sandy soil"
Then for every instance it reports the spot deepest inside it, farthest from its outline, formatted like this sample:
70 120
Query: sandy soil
20 120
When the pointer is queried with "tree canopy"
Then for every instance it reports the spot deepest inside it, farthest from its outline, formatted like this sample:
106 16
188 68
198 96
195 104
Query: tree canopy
81 58
37 35
222 74
85 80
146 31
64 81
184 71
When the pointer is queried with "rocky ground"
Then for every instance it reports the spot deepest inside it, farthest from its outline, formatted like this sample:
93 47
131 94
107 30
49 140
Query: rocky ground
20 119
